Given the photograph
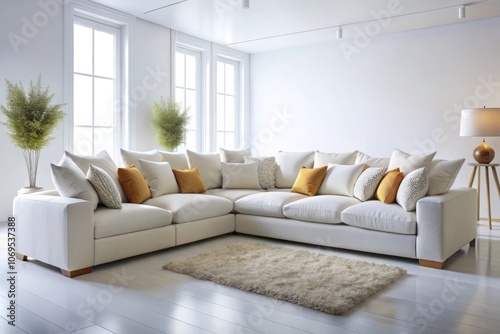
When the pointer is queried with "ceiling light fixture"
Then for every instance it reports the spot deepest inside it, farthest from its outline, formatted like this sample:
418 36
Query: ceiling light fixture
340 32
246 4
461 12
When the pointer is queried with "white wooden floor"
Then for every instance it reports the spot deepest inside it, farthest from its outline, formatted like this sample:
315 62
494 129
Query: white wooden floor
136 296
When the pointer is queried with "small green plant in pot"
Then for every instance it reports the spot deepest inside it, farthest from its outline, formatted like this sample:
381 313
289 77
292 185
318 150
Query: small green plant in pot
31 118
170 122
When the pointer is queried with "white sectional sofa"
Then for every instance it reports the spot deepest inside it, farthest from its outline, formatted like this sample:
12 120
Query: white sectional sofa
75 234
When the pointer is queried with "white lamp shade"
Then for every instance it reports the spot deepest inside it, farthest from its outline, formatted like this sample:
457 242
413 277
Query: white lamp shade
480 122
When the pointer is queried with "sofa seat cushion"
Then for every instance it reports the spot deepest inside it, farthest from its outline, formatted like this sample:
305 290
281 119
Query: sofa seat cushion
319 209
233 194
190 207
130 218
267 203
375 215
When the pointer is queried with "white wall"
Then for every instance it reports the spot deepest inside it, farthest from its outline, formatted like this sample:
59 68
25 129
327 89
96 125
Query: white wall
43 53
402 91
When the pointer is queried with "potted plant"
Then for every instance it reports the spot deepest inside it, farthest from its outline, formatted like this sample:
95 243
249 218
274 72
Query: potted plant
170 122
30 121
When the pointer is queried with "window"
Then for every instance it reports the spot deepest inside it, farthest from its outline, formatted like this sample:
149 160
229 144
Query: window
188 92
96 87
227 103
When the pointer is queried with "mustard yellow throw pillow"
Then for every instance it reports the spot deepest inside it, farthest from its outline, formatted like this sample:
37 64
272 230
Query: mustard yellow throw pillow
133 183
389 185
309 180
189 180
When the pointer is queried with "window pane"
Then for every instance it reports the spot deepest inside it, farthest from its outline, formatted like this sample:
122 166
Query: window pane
190 72
229 140
179 96
82 141
104 102
179 69
220 139
82 49
104 139
220 112
104 54
230 89
220 77
191 104
82 100
229 114
191 140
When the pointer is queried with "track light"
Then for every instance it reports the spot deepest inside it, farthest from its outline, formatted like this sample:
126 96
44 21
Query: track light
461 12
246 4
340 32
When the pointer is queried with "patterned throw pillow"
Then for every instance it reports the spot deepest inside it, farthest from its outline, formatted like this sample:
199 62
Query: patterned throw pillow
266 170
105 187
413 187
367 183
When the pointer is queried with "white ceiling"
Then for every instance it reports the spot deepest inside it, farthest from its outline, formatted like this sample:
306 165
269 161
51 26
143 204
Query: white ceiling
277 24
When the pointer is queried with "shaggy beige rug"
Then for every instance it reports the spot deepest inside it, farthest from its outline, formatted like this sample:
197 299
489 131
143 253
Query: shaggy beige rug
327 283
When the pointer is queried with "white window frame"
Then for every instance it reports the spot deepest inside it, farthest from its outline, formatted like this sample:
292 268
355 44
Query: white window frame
126 23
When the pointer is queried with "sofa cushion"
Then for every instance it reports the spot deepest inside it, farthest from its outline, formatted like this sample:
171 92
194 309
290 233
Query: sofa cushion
233 194
190 207
413 187
309 180
363 158
240 175
323 158
104 187
234 156
160 178
209 166
131 218
409 162
267 203
189 181
176 160
375 215
340 179
266 170
288 166
319 209
442 174
367 183
130 158
133 183
388 187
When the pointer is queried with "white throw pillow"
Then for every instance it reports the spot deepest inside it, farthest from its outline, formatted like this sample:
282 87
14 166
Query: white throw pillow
130 158
367 183
160 178
176 160
288 166
234 156
442 174
407 162
340 179
208 165
101 160
363 158
105 187
240 175
266 170
323 159
413 187
70 181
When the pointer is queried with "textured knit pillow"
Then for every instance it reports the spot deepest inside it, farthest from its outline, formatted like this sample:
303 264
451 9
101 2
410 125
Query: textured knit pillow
240 175
234 156
413 187
70 181
407 162
160 178
388 187
266 170
340 179
189 181
309 180
133 184
105 187
367 183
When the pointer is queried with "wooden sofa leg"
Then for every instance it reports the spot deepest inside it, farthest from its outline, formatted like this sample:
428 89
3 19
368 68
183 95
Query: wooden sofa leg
75 273
472 243
21 257
431 264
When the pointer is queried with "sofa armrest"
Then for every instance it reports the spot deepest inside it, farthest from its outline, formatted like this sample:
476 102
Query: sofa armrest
446 223
55 230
